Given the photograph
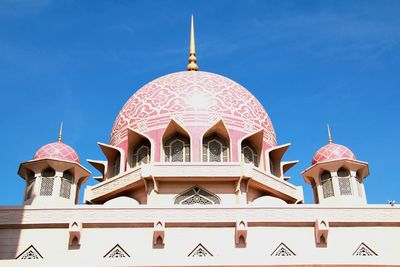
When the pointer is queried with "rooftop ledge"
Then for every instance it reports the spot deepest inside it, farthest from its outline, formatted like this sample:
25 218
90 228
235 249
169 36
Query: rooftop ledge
195 171
382 215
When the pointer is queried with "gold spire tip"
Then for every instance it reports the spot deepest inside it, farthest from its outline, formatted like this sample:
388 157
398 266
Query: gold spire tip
329 135
60 134
192 66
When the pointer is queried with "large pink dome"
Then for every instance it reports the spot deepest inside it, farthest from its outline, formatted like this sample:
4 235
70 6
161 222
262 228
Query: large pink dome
192 98
332 152
57 150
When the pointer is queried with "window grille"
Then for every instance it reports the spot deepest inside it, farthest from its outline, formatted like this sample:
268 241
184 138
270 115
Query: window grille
141 154
46 187
344 186
177 149
65 189
249 155
215 149
327 186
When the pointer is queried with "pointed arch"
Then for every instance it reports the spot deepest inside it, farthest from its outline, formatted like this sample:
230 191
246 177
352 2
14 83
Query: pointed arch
216 143
197 195
140 149
176 143
250 148
48 172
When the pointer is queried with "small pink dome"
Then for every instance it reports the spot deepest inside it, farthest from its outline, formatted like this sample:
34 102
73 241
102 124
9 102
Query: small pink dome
192 98
332 152
57 150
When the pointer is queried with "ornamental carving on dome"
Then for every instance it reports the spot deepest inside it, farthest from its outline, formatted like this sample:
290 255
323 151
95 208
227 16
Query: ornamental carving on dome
192 99
332 152
57 151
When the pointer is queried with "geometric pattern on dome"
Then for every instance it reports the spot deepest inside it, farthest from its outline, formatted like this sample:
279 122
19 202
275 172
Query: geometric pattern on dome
332 152
194 98
364 250
116 252
57 151
282 251
200 251
29 254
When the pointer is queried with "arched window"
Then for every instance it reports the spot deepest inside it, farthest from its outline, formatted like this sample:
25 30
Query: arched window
66 181
197 195
327 187
141 154
249 155
215 149
46 187
49 172
344 181
342 172
177 149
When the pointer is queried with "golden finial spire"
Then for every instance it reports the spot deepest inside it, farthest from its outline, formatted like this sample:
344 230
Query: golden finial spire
329 135
192 50
60 134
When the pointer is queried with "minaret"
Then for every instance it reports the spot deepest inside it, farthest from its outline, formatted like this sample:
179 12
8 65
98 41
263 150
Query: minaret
336 176
54 175
60 134
192 66
329 135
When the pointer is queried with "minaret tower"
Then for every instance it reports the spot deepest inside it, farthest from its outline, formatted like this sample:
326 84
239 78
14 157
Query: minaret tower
54 175
336 176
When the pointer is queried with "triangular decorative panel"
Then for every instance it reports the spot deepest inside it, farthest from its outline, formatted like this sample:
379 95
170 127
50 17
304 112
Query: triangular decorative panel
117 252
29 254
197 195
364 250
200 251
282 250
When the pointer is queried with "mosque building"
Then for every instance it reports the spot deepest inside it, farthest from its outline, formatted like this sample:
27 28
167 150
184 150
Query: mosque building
193 176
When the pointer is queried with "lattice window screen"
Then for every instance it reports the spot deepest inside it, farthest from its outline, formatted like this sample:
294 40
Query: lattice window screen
46 187
65 189
344 186
327 188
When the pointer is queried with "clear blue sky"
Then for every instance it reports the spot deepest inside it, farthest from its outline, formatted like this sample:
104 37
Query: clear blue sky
308 62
